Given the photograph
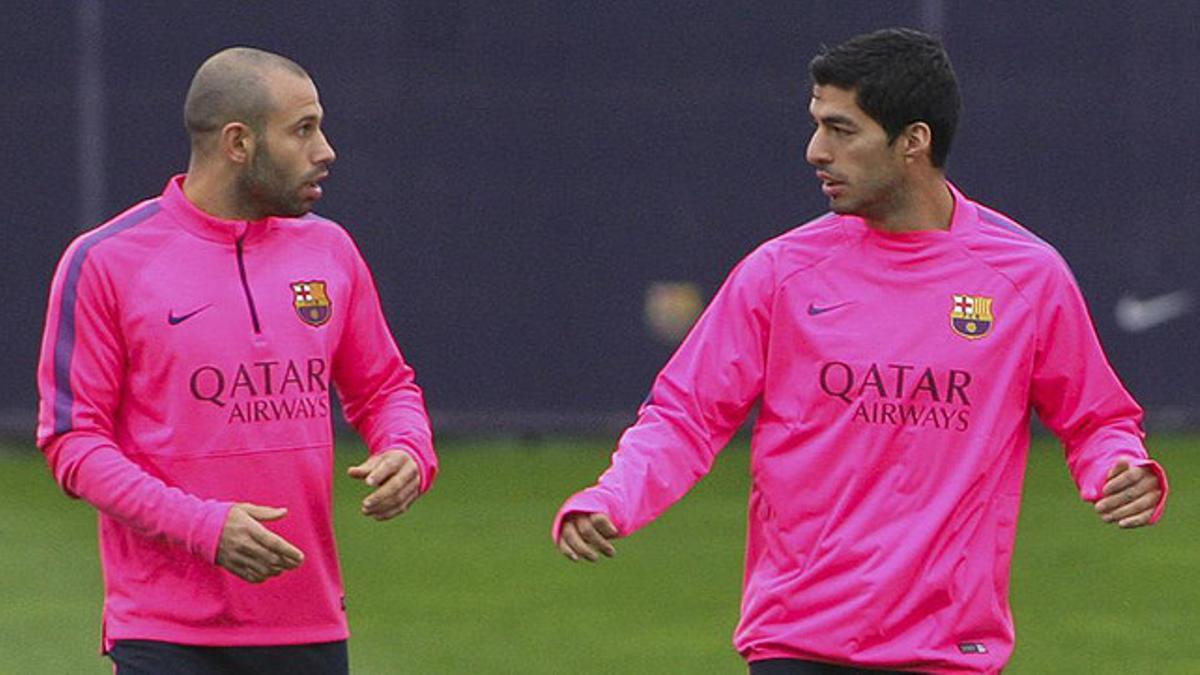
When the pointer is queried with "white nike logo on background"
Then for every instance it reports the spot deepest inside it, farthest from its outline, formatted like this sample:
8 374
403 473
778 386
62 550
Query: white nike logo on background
1135 315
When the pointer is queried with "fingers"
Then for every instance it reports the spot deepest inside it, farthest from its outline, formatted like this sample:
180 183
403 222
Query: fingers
283 554
249 571
1125 488
588 532
250 550
245 563
1121 477
587 536
379 468
263 512
362 470
393 497
604 525
1130 513
1131 497
572 546
1138 519
389 465
398 480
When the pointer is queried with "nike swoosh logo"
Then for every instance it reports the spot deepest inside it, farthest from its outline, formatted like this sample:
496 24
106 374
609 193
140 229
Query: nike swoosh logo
1135 316
176 320
813 310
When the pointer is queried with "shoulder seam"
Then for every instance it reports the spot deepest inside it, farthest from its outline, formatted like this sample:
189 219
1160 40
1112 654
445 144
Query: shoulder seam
842 244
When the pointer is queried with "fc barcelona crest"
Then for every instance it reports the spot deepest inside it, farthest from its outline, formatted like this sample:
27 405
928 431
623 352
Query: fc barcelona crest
311 302
971 316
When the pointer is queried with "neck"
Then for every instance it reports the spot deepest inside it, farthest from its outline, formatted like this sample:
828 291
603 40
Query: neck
214 193
925 204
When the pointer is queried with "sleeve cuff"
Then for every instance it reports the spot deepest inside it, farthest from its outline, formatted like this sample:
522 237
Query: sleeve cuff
207 539
1095 490
426 471
584 502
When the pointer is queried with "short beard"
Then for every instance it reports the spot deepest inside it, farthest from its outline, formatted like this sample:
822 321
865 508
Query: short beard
263 189
889 198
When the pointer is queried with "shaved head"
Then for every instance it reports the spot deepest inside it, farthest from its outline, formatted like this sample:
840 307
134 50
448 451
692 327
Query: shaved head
232 86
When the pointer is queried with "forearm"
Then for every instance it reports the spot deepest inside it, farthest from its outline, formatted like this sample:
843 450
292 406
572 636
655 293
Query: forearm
657 461
401 423
108 480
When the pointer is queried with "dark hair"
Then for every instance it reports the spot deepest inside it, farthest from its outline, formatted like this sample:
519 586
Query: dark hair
900 76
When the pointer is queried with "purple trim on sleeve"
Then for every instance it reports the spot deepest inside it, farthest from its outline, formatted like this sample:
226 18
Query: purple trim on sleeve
1002 222
64 345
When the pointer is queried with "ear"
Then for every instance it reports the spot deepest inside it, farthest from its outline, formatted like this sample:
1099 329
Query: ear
237 142
916 141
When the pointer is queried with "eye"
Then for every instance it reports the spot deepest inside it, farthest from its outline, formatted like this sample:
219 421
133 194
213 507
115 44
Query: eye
305 129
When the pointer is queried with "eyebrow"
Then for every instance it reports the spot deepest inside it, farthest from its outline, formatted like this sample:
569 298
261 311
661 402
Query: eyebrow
310 117
836 119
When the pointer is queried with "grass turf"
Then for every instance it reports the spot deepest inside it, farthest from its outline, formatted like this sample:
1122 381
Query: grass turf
468 581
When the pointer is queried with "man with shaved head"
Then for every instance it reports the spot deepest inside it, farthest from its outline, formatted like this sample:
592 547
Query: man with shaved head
188 354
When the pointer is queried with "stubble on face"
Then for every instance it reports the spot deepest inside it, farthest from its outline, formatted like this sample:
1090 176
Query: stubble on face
290 155
855 161
265 188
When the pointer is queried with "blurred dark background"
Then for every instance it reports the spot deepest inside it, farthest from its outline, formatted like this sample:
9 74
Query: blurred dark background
519 174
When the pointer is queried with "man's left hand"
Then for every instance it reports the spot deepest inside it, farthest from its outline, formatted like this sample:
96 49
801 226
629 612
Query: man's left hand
397 481
1130 496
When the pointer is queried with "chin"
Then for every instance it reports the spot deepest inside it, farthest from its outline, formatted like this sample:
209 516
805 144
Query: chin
294 210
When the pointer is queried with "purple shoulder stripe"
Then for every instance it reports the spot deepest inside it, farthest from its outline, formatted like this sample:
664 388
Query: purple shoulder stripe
1002 222
64 345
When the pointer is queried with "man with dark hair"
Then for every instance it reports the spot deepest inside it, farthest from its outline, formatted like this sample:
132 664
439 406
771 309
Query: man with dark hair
896 348
899 77
189 348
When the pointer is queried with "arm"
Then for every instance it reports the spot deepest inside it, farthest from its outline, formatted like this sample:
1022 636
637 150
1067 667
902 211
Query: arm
381 399
79 380
696 404
80 374
1079 397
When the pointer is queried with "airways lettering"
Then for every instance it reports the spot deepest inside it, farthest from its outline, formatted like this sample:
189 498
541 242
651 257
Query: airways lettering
265 391
272 410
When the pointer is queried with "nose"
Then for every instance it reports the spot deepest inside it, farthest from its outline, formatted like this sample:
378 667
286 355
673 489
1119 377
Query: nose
817 153
325 152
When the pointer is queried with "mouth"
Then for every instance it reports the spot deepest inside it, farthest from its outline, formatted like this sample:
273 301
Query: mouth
831 186
312 188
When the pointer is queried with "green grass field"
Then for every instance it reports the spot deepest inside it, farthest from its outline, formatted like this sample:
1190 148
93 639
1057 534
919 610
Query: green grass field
468 581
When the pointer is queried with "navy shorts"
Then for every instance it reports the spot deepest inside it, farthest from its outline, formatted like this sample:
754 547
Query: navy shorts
149 657
798 667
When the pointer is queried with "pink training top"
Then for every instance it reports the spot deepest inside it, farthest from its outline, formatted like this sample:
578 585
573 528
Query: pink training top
896 374
186 366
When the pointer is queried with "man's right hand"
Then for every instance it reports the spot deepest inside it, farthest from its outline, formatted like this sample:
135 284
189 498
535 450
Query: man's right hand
587 535
250 550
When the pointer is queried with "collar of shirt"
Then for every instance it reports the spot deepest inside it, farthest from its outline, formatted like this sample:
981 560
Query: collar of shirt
964 219
208 226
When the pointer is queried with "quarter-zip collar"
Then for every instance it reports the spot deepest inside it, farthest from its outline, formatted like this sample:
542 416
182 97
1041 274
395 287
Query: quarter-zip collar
208 226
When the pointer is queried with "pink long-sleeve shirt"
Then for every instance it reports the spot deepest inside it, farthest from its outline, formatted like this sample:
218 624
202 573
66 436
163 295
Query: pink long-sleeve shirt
896 375
186 366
